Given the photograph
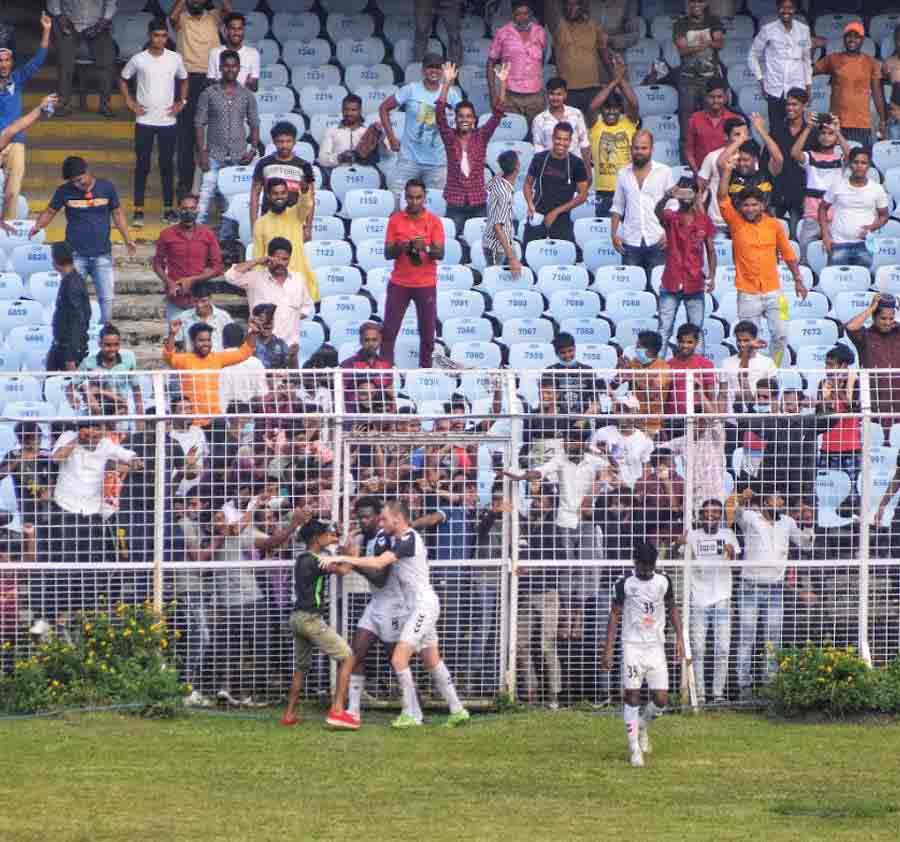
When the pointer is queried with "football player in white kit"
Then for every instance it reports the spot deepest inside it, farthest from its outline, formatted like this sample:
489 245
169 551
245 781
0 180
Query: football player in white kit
408 559
641 600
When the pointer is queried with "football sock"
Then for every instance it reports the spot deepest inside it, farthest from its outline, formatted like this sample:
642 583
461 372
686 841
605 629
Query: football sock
650 712
354 695
444 683
631 726
408 688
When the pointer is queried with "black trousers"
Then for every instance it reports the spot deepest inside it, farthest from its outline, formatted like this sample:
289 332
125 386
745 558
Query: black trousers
166 138
197 83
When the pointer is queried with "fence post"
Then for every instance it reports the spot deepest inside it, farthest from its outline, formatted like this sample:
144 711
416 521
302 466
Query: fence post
865 506
515 444
336 584
159 485
690 461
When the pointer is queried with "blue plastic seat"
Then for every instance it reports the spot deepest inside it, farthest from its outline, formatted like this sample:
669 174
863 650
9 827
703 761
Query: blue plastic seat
338 280
517 304
597 355
630 304
366 202
539 253
593 331
609 279
574 303
526 330
456 303
476 354
370 254
466 329
329 253
341 307
531 355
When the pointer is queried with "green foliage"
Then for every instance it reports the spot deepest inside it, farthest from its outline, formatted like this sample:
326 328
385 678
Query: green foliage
118 657
832 681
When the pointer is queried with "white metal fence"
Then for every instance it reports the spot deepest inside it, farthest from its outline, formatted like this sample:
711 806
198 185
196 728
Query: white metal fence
530 489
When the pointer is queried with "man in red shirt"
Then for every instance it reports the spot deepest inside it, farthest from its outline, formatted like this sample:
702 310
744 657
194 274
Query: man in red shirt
186 254
368 358
704 129
688 231
686 358
415 242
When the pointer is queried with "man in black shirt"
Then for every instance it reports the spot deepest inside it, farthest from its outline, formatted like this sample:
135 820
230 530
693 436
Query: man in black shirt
71 316
575 382
31 470
790 185
311 632
557 183
282 163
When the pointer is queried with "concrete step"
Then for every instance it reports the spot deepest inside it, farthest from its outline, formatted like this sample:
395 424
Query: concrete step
32 98
92 152
147 307
82 128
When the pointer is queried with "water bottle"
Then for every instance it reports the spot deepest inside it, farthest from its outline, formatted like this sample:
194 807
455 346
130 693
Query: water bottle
49 109
783 309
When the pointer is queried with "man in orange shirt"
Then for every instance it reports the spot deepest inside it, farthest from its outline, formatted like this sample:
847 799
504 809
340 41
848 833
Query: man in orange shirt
649 378
757 239
855 77
414 240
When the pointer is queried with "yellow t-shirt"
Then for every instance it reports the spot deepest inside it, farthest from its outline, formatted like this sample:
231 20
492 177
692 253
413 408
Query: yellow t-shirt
611 148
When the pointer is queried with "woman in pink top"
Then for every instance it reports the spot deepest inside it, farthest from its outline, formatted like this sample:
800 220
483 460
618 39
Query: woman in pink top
520 44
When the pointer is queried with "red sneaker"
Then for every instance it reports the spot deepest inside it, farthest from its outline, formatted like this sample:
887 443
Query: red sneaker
342 720
289 720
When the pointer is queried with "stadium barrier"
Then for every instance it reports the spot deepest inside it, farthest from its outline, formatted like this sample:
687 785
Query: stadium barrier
532 487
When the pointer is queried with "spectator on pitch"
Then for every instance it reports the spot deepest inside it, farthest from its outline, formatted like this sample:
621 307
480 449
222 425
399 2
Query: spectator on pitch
498 240
611 136
850 210
248 76
421 153
520 44
91 205
559 112
241 384
196 35
156 110
111 368
466 147
12 157
268 279
71 314
878 347
226 131
186 254
283 222
204 310
89 22
758 240
556 184
636 233
351 141
705 127
855 85
768 533
698 37
282 164
781 59
689 233
414 240
649 378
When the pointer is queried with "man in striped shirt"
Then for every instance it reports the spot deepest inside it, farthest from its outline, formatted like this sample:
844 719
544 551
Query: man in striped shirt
497 240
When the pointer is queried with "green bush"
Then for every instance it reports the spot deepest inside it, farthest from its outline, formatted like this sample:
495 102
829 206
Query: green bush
833 681
110 658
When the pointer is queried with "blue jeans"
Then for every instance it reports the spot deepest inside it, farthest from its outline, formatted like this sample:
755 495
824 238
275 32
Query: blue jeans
648 257
758 602
850 254
717 615
198 637
694 307
228 228
100 269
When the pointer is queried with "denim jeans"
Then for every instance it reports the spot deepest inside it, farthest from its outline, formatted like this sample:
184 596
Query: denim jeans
648 257
808 231
228 228
198 637
694 307
754 306
435 178
758 602
717 615
100 269
850 254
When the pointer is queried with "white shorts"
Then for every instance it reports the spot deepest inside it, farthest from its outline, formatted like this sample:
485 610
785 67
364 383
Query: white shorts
384 619
644 662
420 628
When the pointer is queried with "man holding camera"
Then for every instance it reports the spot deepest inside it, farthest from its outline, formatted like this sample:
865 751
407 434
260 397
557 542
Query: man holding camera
415 242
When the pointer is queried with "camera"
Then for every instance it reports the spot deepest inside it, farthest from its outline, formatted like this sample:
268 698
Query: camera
415 256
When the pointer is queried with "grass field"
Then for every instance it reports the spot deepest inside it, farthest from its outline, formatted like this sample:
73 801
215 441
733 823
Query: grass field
537 776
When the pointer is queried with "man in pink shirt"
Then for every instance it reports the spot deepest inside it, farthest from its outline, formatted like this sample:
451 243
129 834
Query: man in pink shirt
520 44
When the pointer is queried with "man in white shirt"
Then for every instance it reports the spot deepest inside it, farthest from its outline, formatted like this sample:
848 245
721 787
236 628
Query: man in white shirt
636 231
248 75
860 207
626 448
558 112
742 371
156 110
768 534
245 381
339 145
736 132
784 48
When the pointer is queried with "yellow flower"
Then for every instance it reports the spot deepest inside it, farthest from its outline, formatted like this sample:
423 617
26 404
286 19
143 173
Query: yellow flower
88 627
827 669
177 635
141 632
126 633
164 643
54 683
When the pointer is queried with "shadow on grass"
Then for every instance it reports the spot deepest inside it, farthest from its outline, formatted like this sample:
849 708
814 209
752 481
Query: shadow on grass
856 809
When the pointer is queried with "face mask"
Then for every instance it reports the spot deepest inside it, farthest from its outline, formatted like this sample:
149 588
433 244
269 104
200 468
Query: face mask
187 216
762 408
247 429
642 356
569 363
523 27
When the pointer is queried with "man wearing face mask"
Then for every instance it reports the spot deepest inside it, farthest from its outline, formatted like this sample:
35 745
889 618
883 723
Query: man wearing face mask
289 221
186 254
575 383
768 534
649 378
368 357
196 34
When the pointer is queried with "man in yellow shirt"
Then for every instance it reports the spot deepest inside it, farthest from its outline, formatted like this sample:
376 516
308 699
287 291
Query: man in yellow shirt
282 220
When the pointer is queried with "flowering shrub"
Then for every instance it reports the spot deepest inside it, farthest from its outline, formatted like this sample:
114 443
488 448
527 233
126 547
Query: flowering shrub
118 657
833 681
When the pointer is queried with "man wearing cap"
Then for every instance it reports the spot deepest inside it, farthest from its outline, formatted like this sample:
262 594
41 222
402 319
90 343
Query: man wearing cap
12 157
855 78
422 152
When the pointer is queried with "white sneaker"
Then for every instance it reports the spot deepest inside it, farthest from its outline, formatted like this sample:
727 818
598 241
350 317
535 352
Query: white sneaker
225 696
197 700
644 741
637 759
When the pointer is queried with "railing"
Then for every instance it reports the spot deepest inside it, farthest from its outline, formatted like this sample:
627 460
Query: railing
524 567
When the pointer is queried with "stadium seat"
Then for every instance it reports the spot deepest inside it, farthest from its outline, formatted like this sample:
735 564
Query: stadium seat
473 230
802 332
832 489
814 306
345 178
19 388
404 49
313 53
599 253
338 280
886 155
16 410
476 354
312 335
340 26
326 77
454 277
595 331
453 253
466 329
434 201
360 203
43 287
33 341
477 256
526 330
539 253
846 305
497 278
11 286
274 75
656 99
663 127
592 228
574 303
327 228
511 127
296 26
816 257
358 76
646 49
269 51
275 99
256 28
459 303
342 307
740 75
409 328
367 227
522 148
429 386
628 329
373 95
629 304
322 100
396 27
268 121
344 331
608 279
836 279
667 152
326 203
531 355
734 54
597 355
232 181
19 313
367 50
28 259
752 100
724 253
475 52
328 253
661 27
475 385
887 279
553 278
370 254
887 251
517 304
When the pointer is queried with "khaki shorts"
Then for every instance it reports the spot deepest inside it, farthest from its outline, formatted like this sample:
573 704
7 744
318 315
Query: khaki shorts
12 162
311 632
